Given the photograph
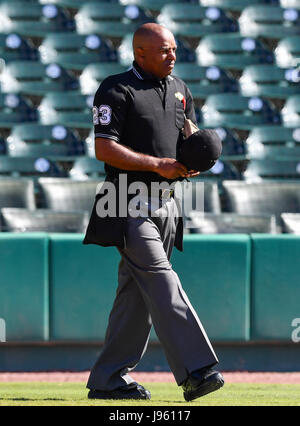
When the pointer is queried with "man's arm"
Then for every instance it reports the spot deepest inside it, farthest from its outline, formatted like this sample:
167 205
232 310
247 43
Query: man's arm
124 158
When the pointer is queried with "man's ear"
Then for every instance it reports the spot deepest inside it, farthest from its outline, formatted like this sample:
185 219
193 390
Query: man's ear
140 52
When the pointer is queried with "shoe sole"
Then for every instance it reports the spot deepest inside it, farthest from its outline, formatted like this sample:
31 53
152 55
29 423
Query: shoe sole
212 383
106 396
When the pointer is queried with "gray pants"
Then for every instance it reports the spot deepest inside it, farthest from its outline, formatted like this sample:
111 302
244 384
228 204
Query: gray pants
150 292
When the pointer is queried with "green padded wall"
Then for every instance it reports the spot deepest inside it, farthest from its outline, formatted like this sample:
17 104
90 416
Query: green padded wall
214 271
83 282
24 286
275 286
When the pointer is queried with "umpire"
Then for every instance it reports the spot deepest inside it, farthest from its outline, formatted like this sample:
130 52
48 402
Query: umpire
138 120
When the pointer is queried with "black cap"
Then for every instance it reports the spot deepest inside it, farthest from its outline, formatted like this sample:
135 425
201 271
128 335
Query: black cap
201 150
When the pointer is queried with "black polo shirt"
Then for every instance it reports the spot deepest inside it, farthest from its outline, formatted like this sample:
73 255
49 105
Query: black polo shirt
143 113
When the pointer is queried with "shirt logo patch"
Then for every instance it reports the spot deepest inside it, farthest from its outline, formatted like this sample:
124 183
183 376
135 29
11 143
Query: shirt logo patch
102 115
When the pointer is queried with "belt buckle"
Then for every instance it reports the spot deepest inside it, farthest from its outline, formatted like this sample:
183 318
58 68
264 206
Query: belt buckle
166 194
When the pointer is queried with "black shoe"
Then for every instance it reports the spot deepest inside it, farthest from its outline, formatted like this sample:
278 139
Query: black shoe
132 391
201 382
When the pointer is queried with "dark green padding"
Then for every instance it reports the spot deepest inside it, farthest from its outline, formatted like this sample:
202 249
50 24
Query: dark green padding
275 286
214 271
24 286
83 283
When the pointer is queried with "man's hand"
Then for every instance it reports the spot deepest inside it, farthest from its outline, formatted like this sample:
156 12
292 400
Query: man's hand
172 169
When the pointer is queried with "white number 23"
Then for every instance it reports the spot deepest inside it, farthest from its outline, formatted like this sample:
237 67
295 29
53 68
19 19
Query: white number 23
102 115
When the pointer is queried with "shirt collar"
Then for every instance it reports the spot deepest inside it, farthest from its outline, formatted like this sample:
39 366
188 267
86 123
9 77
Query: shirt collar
144 75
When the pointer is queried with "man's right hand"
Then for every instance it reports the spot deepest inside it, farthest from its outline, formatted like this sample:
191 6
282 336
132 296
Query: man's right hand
170 168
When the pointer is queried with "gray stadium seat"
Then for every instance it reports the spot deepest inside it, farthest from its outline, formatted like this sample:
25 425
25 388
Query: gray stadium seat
34 140
110 19
192 20
231 223
270 81
287 52
205 81
269 21
291 112
87 167
236 5
291 223
277 142
17 192
14 47
232 51
272 169
75 51
35 78
68 109
29 166
93 74
197 195
236 111
43 220
68 194
265 197
16 109
34 19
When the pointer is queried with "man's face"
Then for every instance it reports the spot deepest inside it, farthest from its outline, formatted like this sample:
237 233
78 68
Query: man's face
159 55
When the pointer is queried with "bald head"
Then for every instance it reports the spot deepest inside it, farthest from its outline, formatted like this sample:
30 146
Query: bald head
154 49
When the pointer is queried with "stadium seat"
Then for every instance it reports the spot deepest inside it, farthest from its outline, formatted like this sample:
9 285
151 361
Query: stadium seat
155 5
290 4
275 142
87 167
17 48
110 19
94 74
232 146
68 109
264 197
197 195
270 168
287 52
291 112
232 51
17 192
184 52
270 81
68 194
269 21
29 166
204 81
34 19
192 20
237 111
222 170
43 220
16 109
75 51
231 223
34 140
291 223
75 4
234 5
35 78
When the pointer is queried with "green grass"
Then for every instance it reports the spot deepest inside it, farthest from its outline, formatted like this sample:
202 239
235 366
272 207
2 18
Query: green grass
163 394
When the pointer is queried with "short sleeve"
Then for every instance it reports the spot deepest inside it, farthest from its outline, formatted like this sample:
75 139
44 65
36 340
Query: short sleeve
109 111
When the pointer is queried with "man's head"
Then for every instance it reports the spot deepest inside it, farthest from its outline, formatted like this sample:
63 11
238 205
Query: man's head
154 49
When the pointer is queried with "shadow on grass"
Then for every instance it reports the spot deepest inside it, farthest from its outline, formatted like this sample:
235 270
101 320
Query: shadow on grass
32 399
